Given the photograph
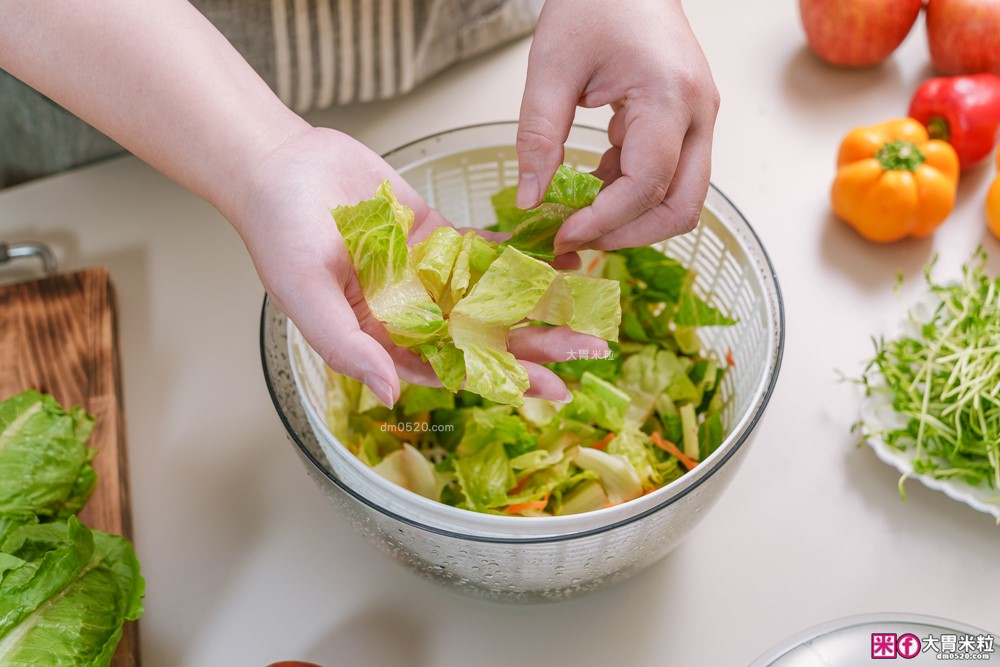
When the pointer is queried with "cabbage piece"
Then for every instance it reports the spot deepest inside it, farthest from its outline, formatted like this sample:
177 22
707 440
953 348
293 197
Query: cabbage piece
65 592
375 234
573 300
44 461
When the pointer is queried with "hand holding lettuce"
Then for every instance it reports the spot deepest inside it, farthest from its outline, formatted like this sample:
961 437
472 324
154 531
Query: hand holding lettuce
454 298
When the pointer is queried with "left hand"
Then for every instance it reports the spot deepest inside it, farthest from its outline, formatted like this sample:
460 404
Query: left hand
284 219
645 62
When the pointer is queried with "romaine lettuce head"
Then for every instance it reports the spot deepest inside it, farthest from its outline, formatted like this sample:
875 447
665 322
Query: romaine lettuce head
375 232
65 592
44 461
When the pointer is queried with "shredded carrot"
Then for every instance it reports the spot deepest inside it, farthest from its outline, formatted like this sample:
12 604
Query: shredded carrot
729 357
593 263
517 508
604 442
520 484
673 450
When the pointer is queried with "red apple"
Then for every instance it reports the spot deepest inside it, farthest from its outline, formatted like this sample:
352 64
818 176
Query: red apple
857 33
964 35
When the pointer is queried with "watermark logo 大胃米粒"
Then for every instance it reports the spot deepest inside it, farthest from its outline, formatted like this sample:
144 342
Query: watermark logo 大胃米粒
890 646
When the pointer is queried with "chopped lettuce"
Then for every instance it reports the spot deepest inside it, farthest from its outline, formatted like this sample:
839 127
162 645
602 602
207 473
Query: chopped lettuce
571 300
478 443
375 232
453 298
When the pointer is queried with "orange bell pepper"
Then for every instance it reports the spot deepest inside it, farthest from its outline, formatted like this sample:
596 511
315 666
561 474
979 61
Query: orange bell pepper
893 181
993 203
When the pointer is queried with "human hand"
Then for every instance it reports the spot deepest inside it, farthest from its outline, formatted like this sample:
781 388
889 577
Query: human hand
645 62
284 219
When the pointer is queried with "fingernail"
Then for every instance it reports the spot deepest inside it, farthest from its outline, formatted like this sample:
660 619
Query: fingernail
565 399
527 191
381 388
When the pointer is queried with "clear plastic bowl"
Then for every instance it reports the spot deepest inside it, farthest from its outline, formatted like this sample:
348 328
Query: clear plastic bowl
517 558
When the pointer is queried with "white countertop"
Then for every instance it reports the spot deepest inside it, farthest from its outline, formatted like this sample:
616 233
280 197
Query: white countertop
245 561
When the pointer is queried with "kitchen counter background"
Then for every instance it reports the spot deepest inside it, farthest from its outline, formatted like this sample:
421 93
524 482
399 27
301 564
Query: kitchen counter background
246 563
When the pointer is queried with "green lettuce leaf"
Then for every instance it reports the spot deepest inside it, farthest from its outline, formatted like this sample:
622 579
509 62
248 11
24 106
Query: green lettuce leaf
474 258
663 278
599 402
44 461
415 399
485 477
505 207
535 233
375 232
504 295
434 258
645 376
497 424
584 304
65 592
535 230
693 311
448 363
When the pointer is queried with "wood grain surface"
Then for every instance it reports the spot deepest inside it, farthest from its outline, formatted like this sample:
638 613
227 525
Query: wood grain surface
60 335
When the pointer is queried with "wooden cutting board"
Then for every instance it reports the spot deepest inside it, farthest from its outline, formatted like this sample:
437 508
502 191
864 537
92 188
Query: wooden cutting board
60 335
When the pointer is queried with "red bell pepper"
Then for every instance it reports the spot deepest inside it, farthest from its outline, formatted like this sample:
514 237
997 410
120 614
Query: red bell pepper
962 110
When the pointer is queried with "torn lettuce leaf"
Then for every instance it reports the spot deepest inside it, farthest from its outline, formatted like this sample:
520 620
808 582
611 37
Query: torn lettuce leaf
434 258
504 295
534 231
485 477
474 257
571 300
375 233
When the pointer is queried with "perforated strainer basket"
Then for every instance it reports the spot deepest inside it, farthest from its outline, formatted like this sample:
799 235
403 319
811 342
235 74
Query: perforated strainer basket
518 558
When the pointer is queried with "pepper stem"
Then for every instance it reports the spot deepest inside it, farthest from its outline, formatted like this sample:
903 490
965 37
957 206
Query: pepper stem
937 127
900 156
